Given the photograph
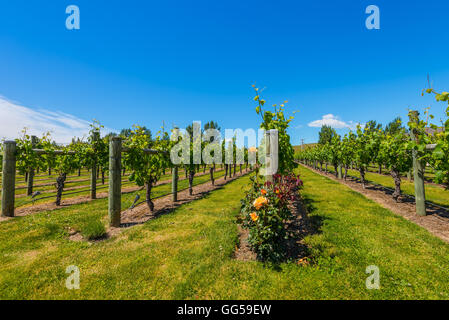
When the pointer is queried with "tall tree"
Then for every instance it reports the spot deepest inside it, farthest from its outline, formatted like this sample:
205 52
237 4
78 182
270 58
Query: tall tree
211 125
394 126
327 133
126 133
189 130
373 125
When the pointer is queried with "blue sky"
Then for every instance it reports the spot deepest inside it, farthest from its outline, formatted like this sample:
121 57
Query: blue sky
145 62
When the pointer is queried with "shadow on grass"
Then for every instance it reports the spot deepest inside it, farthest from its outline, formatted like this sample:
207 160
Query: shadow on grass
302 226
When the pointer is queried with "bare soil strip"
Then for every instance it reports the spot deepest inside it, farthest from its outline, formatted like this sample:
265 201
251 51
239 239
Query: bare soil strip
436 221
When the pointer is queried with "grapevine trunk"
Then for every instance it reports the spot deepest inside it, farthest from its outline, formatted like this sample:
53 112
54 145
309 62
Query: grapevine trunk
212 176
362 176
191 174
148 187
60 187
397 184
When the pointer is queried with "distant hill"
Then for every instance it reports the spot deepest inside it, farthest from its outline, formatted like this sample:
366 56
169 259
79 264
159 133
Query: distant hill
305 146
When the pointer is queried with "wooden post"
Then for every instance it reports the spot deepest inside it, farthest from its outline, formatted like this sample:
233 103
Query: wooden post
115 181
340 173
34 141
93 173
268 177
420 194
174 184
8 178
418 174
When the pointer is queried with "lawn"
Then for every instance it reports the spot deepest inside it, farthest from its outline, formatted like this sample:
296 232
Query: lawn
187 254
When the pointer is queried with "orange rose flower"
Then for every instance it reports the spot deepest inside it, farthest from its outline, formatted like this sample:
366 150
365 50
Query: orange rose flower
263 191
254 216
259 202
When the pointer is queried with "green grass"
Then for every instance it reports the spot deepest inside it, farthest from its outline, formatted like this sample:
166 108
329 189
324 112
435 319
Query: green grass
93 230
188 254
305 146
434 193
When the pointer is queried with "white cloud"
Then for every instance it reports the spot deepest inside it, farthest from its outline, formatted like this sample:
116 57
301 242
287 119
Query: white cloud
333 121
63 126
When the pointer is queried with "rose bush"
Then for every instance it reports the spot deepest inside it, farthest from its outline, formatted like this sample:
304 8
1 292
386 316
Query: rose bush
264 213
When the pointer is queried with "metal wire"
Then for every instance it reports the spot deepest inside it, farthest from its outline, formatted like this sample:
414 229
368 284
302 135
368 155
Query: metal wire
170 193
104 187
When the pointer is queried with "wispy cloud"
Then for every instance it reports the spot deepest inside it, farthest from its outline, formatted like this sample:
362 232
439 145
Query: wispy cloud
333 121
62 126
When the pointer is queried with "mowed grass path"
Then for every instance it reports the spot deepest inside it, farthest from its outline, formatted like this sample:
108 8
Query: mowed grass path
188 254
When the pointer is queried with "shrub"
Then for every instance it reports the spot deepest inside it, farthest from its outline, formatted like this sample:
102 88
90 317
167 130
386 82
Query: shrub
93 230
264 213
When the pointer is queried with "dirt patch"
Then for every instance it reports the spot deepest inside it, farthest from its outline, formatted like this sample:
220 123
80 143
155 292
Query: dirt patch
436 221
243 251
299 227
76 236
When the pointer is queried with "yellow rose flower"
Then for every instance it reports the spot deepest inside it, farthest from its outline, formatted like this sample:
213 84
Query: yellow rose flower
259 202
254 216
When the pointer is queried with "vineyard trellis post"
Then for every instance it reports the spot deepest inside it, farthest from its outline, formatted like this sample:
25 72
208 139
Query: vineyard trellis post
115 181
418 174
420 195
8 178
268 177
270 136
174 186
93 174
34 142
